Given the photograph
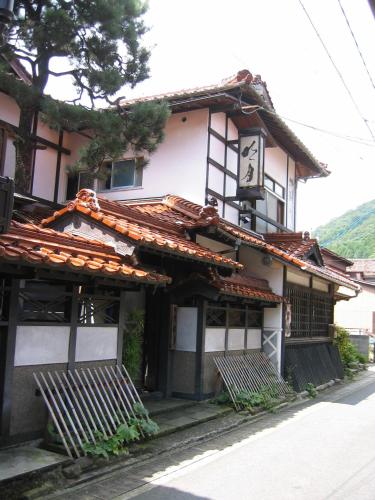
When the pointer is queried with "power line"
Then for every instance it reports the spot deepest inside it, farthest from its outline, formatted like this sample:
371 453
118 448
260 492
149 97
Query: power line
337 69
358 140
356 43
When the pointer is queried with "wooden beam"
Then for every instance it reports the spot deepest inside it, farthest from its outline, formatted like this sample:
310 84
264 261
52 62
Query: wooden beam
37 138
6 407
199 354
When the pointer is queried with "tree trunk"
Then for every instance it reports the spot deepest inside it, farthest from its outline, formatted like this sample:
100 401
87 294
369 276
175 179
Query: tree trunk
25 146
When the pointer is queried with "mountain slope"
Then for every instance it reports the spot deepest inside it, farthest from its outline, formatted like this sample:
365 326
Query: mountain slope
352 234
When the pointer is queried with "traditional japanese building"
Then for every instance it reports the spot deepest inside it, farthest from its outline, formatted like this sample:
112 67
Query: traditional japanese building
217 266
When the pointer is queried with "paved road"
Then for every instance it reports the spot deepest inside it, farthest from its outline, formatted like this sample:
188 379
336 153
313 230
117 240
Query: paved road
320 450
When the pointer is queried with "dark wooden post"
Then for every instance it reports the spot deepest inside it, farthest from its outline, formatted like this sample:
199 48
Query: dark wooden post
121 328
73 328
9 359
199 357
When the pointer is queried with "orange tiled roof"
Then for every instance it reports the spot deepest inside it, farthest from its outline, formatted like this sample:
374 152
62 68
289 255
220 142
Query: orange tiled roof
145 229
177 210
246 286
31 245
296 244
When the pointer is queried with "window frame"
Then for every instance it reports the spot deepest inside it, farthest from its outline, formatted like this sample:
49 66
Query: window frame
137 177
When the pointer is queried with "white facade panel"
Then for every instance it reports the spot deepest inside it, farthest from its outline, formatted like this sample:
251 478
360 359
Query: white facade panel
215 340
254 338
218 123
321 285
215 179
291 195
10 159
186 331
232 131
236 339
181 159
41 345
276 164
297 278
44 173
217 150
231 214
230 186
95 343
232 161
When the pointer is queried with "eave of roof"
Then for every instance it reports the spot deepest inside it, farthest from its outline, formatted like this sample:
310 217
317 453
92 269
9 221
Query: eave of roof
192 214
31 245
229 90
246 287
145 234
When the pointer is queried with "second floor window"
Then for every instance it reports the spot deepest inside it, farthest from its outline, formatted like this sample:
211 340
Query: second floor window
123 174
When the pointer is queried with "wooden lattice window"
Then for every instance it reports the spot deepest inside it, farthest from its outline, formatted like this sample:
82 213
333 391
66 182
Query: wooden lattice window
44 302
312 312
97 310
216 317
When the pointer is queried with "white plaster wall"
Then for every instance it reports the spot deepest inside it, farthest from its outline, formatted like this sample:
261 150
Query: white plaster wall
232 161
254 338
178 166
10 159
298 278
273 273
73 142
215 246
215 339
291 191
275 164
95 343
217 150
321 285
39 345
44 173
356 312
230 186
252 259
218 123
232 131
231 214
236 339
9 111
215 179
186 331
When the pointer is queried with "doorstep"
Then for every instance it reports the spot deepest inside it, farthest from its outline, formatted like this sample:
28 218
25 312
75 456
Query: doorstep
188 415
18 461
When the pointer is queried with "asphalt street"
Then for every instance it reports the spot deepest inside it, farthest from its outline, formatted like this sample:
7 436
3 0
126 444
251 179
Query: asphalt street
325 450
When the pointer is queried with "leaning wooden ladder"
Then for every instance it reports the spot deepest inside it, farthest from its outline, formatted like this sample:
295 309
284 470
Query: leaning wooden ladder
252 372
84 402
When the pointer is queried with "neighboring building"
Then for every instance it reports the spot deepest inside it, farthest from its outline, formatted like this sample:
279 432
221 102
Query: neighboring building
358 314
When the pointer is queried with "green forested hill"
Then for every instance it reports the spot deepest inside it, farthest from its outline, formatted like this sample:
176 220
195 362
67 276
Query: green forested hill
352 234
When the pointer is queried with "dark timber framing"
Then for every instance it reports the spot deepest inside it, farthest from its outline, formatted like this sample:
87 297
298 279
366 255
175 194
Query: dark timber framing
9 357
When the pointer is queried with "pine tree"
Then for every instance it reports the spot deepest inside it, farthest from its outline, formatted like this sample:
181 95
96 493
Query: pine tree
101 41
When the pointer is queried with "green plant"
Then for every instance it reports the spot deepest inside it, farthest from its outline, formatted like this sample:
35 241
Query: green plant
112 445
266 398
311 390
132 349
223 399
348 352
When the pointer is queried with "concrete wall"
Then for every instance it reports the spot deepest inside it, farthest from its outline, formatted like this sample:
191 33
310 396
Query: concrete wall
29 413
362 343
